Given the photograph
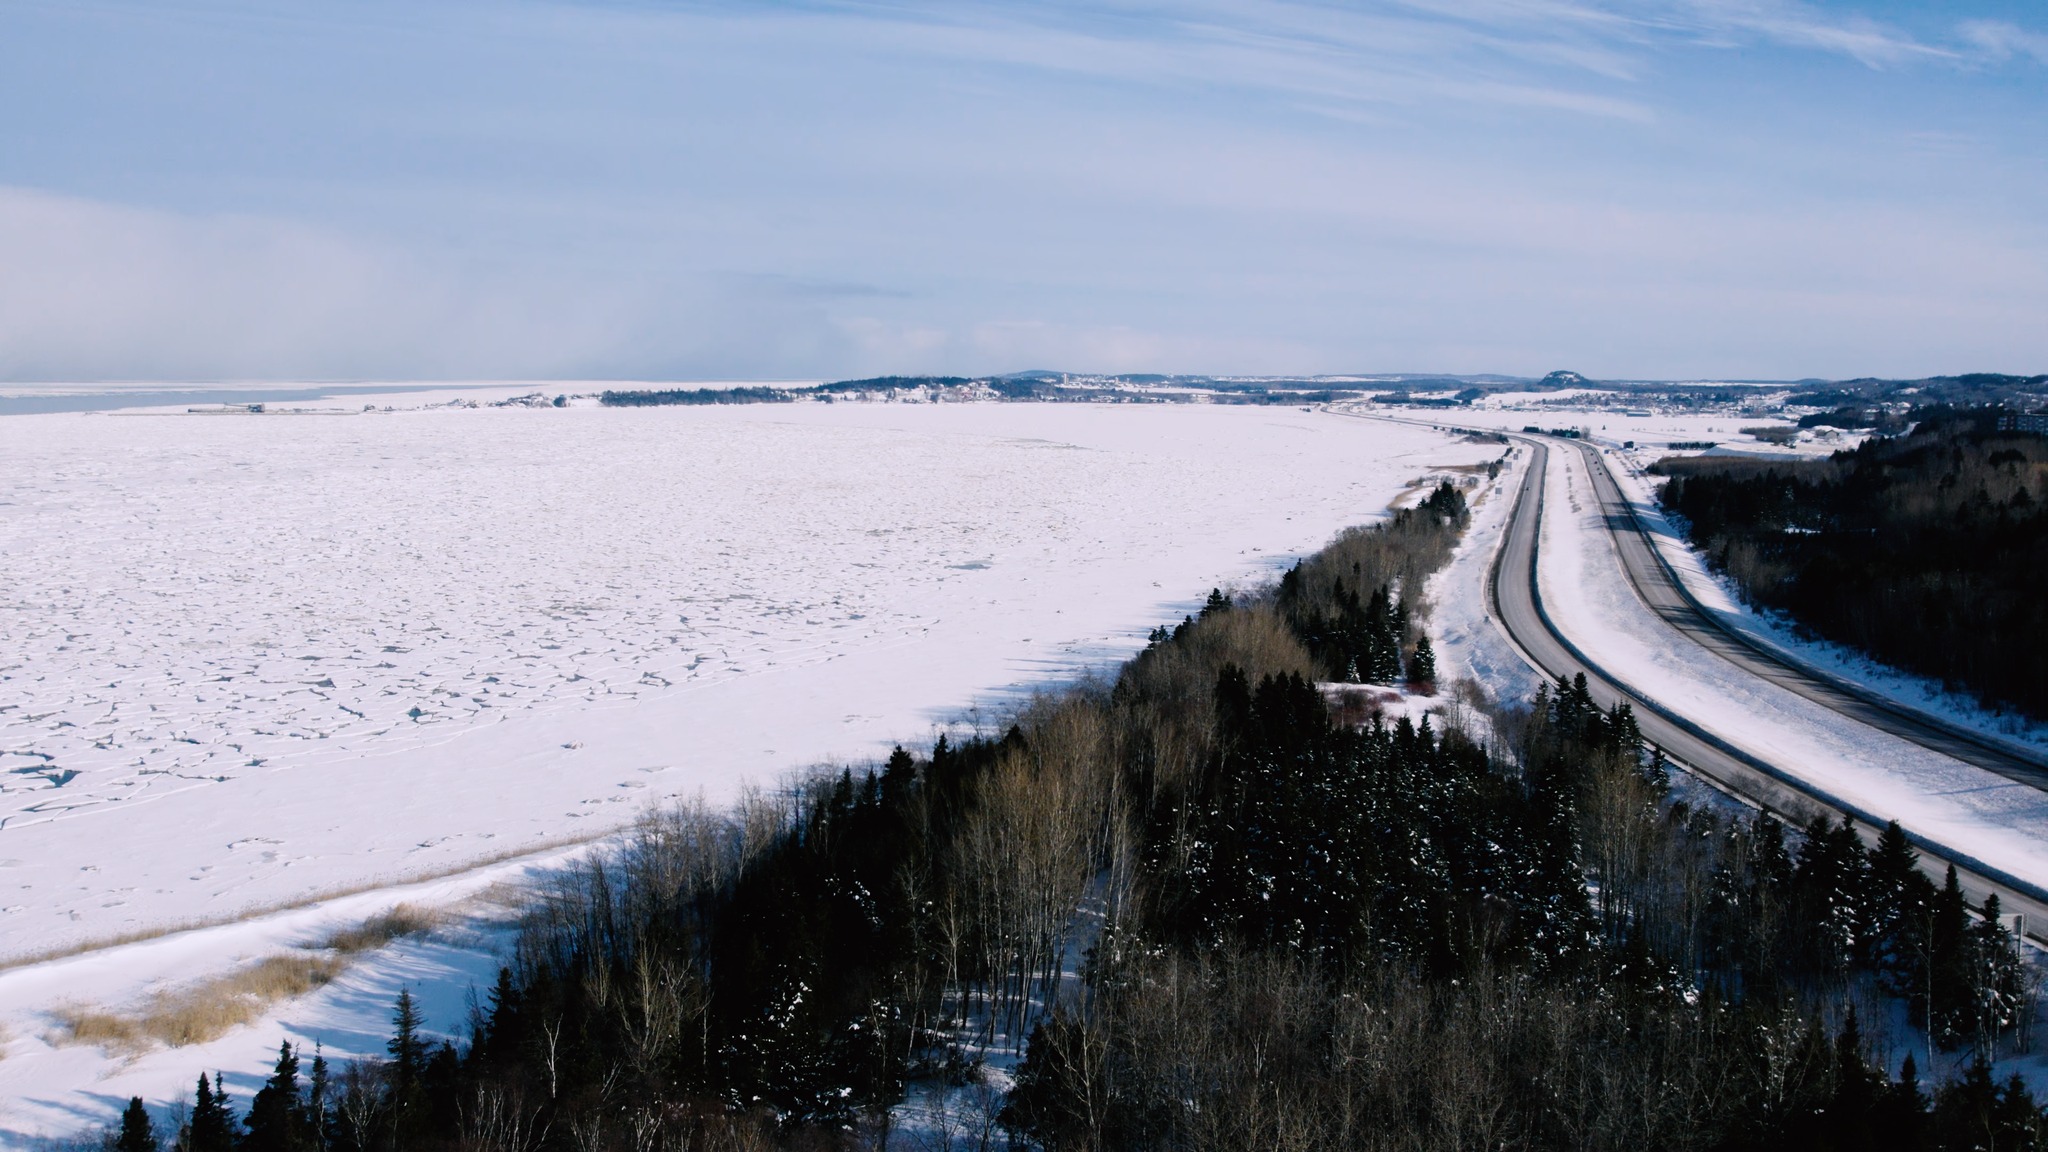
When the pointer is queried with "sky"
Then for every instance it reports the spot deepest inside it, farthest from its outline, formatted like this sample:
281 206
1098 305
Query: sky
447 189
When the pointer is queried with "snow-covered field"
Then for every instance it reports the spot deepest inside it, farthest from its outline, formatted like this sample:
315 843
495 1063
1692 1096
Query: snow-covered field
250 660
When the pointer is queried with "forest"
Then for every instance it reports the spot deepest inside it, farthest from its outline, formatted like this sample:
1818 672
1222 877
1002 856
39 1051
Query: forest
1186 908
655 398
1923 550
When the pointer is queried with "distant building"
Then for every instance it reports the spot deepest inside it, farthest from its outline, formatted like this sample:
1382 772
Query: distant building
2036 422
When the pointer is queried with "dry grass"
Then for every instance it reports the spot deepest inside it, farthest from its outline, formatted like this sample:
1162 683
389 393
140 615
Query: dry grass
377 931
209 1010
202 1012
101 1029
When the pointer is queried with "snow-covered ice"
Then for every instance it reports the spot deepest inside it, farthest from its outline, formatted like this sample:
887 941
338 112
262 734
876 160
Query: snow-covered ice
271 656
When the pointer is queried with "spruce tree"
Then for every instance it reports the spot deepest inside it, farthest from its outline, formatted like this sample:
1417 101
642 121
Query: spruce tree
1857 1090
319 1089
2017 1122
1898 1122
408 1061
1771 863
1949 992
1830 888
498 1044
1658 771
276 1120
1290 588
138 1132
1967 1112
899 776
1422 666
408 1051
1895 921
1382 639
212 1119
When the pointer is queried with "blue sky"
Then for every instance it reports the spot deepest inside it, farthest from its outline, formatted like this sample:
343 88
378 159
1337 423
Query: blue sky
429 189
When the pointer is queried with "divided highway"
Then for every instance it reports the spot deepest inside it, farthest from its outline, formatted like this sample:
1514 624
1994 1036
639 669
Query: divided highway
1668 597
1517 604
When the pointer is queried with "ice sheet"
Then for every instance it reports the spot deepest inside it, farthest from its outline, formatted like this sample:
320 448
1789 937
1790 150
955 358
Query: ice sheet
250 659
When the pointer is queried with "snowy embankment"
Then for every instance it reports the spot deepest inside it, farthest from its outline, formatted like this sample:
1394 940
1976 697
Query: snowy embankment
2002 823
1469 641
253 660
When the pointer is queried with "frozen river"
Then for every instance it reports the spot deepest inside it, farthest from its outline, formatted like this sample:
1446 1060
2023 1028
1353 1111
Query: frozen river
246 660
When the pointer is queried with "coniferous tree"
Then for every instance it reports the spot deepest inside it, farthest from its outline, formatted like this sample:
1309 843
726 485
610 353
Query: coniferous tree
277 1121
438 1113
1382 638
1949 993
318 1087
1658 771
1973 1112
899 777
1857 1093
1828 889
138 1132
1422 666
497 1041
2018 1122
408 1064
1899 1121
213 1119
1898 903
408 1051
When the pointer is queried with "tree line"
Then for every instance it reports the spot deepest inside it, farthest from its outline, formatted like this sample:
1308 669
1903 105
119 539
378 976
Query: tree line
661 397
1207 917
1923 550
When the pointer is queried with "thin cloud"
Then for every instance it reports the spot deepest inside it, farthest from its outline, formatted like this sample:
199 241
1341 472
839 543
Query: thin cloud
2001 41
1316 55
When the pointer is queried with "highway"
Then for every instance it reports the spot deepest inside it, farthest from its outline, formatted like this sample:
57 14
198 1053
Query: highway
1667 596
1516 603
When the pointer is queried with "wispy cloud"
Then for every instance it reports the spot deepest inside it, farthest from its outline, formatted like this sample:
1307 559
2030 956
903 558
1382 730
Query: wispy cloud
1513 51
1784 24
2001 40
1316 55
